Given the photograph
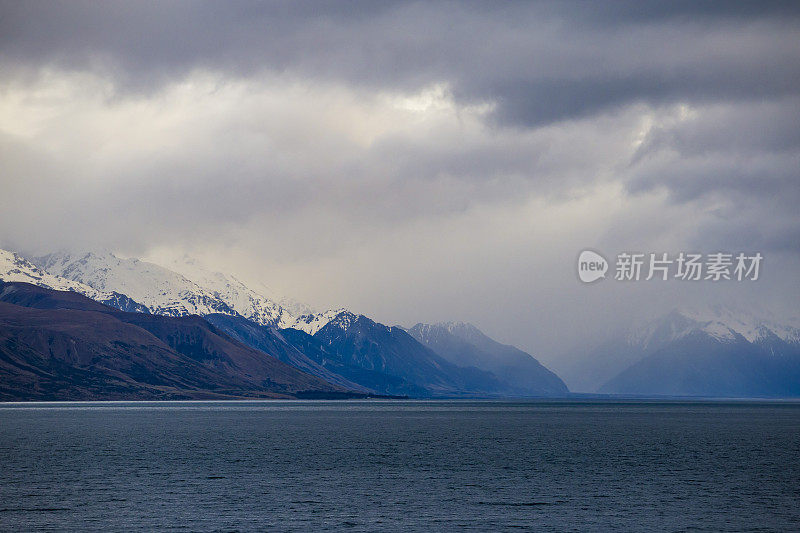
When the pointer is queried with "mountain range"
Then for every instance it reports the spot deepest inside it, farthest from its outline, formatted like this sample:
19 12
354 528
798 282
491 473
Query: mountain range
338 352
225 325
712 351
61 345
716 351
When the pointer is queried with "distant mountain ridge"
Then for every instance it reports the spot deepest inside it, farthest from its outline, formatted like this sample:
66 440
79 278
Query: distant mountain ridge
722 324
465 345
719 321
700 365
710 351
393 362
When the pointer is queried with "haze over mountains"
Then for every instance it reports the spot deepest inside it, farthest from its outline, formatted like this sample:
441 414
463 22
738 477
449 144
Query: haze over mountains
714 351
465 345
709 352
350 353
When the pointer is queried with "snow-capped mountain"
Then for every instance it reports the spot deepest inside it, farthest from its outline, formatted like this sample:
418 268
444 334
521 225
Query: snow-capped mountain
294 307
15 268
462 330
311 323
338 346
710 351
720 322
254 304
193 290
724 325
163 291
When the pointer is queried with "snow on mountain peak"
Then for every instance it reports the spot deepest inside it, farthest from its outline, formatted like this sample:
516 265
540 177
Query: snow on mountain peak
746 323
183 288
724 323
15 268
256 305
459 328
163 291
313 322
463 330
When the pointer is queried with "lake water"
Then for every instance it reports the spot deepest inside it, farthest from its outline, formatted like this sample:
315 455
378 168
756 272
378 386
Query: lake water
401 465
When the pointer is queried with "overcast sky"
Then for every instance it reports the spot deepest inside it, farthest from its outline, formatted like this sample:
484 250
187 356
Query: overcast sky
413 161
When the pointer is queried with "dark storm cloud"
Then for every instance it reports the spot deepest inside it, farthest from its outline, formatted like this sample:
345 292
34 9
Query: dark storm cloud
539 62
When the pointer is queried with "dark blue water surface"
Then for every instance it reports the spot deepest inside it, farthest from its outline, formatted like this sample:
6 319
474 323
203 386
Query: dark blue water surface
400 465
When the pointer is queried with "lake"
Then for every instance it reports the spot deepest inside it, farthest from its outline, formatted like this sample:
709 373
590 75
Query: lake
401 465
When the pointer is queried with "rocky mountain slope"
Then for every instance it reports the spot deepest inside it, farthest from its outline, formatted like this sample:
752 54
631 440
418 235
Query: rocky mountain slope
390 360
62 345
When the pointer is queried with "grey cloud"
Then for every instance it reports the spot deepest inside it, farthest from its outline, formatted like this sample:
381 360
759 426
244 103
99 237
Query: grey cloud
740 161
745 129
478 219
540 62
